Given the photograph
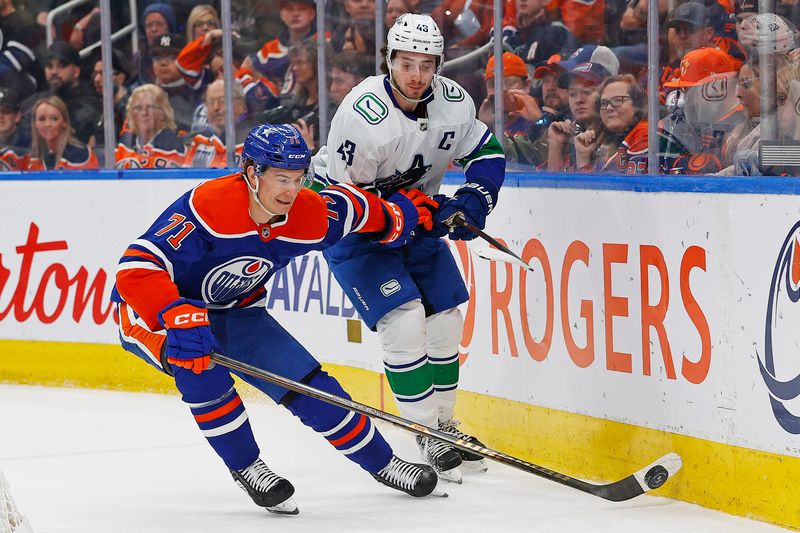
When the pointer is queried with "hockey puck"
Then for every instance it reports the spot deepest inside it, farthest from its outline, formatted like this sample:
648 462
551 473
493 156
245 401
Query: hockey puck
656 476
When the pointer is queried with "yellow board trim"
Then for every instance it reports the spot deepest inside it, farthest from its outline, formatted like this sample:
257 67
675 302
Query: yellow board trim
735 480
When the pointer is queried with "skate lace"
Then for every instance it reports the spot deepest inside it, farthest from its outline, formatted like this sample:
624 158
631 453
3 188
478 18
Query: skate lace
259 476
435 448
451 428
401 473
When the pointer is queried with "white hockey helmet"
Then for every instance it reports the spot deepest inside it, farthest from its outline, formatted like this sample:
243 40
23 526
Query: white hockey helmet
770 33
415 33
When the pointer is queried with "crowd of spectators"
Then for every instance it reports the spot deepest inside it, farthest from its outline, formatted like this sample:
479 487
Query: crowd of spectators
574 79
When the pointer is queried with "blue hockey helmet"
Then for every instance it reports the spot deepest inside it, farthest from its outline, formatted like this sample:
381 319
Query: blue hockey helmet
276 145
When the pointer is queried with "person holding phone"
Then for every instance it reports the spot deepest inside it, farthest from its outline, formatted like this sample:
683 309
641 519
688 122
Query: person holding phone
521 111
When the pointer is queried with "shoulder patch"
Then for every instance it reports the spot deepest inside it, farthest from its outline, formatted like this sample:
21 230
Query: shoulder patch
371 108
451 92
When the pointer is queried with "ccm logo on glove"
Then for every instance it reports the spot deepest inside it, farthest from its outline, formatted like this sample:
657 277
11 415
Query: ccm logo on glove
194 318
184 315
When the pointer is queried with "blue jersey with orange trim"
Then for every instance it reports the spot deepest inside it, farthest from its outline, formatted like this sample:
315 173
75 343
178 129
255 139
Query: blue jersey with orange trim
205 246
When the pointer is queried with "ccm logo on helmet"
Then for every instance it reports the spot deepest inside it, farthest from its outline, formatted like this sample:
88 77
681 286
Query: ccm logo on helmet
191 318
296 156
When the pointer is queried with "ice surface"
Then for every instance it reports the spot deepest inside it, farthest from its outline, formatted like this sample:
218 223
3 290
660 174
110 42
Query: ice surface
112 462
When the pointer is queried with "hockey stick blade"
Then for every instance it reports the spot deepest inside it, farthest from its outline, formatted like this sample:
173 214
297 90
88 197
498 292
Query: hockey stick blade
492 254
646 479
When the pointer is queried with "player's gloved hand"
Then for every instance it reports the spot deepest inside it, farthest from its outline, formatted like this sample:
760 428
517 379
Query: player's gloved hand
402 216
425 206
189 338
475 199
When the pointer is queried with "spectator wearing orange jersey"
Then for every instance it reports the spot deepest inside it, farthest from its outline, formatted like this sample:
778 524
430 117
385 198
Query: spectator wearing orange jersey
152 141
15 143
464 23
272 60
53 144
200 62
584 18
208 148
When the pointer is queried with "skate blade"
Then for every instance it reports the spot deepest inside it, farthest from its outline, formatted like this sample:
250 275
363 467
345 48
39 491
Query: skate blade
287 507
439 493
474 467
453 475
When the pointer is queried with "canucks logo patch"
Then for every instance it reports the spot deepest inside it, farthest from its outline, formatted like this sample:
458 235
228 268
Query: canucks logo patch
235 278
451 92
371 108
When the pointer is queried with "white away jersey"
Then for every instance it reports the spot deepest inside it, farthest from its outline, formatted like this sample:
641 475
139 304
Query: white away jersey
377 145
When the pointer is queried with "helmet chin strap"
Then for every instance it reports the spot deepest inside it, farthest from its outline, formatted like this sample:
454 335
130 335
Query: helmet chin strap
254 194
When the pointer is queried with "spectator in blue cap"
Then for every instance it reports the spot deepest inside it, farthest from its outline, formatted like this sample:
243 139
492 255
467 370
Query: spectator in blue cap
581 81
157 19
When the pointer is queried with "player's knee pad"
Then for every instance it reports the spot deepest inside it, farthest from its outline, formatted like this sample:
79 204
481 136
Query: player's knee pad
204 387
402 333
316 414
444 332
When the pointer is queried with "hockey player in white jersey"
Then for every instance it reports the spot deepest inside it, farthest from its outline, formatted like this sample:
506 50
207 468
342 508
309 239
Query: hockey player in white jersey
401 131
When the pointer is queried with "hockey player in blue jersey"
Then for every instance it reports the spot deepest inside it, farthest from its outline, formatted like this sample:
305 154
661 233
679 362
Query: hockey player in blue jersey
194 282
403 130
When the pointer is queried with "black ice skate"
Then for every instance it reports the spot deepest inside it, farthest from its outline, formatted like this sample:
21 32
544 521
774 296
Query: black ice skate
472 462
266 488
442 457
414 479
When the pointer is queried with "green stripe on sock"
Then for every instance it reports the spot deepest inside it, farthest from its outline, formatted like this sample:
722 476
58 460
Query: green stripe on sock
445 374
411 382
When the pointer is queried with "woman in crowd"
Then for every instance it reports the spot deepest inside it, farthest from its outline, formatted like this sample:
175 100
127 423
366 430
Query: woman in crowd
53 144
202 19
582 96
300 105
152 141
620 143
745 135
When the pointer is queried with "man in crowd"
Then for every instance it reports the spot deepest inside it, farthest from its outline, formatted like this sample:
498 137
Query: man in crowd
19 68
704 111
184 99
14 141
348 69
119 78
208 148
62 72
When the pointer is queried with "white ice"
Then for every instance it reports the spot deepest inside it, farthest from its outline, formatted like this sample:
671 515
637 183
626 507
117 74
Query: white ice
112 462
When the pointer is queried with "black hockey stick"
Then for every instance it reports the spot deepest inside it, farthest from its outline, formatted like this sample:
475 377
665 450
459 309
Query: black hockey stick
457 219
648 478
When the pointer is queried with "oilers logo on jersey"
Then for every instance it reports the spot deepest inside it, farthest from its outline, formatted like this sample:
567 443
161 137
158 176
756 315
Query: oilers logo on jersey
235 278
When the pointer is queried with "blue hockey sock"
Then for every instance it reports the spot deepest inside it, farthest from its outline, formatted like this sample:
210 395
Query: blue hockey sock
220 414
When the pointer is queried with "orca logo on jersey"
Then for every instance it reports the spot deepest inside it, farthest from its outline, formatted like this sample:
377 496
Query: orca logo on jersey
235 278
371 108
451 92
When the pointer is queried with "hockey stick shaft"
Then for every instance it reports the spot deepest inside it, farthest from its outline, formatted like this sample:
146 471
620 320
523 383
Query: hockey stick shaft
621 490
458 219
